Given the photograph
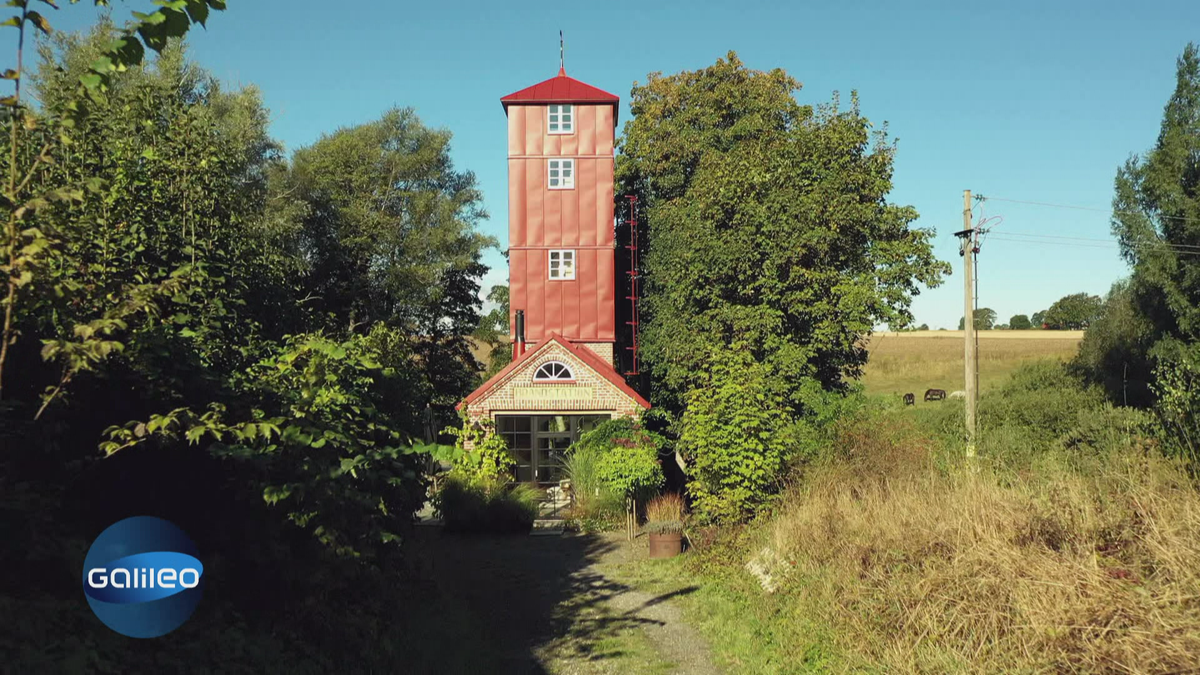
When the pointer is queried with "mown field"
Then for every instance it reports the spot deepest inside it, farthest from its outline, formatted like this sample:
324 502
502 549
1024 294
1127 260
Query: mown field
913 362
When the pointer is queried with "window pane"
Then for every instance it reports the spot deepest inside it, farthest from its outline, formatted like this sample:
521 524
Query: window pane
554 255
585 423
551 424
566 108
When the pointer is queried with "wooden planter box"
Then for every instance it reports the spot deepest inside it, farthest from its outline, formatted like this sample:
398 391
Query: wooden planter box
666 545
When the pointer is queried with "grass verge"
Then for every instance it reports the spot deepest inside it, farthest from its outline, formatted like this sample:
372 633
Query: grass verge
1068 545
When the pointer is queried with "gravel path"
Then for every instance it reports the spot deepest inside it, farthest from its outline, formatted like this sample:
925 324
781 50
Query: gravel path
553 605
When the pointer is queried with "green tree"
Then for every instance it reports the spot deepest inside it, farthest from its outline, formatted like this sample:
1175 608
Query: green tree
767 221
164 247
387 226
1020 322
184 276
985 319
1038 319
1156 216
493 332
1115 352
26 245
1073 312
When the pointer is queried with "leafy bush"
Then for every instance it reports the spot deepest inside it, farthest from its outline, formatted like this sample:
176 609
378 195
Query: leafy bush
472 507
1177 381
1043 397
315 438
737 435
626 457
487 462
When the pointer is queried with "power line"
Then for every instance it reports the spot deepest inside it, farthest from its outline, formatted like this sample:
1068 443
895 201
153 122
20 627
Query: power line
1099 243
1086 208
1146 244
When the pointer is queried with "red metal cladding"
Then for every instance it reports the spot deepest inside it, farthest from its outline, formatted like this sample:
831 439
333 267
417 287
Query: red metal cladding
578 219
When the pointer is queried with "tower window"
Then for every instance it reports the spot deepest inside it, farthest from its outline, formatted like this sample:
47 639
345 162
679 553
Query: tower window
553 371
562 265
561 119
562 174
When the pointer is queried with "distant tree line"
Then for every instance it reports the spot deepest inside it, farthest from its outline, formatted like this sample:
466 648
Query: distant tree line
1071 312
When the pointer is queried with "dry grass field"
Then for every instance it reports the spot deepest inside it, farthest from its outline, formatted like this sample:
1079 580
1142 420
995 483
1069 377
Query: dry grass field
916 361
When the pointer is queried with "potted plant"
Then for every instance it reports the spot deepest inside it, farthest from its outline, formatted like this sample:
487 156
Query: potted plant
664 525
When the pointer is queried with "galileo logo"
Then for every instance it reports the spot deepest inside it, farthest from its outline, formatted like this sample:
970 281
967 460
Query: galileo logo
142 578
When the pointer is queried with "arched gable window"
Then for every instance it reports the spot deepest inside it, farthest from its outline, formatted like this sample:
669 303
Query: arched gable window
553 371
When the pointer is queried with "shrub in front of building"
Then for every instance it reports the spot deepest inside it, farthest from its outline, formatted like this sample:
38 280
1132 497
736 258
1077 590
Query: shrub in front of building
475 507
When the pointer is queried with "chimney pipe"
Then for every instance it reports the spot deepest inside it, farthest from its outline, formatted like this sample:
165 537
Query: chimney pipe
519 337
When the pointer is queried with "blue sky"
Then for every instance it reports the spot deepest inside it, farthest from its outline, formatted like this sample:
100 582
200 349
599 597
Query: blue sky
1035 101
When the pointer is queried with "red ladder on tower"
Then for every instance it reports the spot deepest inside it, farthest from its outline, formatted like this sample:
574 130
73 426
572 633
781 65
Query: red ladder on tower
633 282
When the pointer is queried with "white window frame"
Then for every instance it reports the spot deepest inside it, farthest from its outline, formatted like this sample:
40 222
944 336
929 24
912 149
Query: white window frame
555 114
560 374
555 259
562 170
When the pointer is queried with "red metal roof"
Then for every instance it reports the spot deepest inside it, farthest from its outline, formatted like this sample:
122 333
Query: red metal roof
589 358
559 89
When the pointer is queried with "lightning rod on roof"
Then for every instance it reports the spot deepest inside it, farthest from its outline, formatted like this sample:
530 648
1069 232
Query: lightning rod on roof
561 52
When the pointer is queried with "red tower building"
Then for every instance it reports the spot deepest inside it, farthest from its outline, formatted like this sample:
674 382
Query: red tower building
561 277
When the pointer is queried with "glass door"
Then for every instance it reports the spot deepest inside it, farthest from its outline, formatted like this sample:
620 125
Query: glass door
539 443
517 431
554 436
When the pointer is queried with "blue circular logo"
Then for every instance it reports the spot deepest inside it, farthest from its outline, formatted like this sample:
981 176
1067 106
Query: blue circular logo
142 577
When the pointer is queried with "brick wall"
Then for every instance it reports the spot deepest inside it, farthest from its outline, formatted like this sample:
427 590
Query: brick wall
602 349
588 392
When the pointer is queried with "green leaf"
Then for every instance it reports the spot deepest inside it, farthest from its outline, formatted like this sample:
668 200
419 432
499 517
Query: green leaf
40 21
104 64
91 81
10 74
151 19
198 10
14 21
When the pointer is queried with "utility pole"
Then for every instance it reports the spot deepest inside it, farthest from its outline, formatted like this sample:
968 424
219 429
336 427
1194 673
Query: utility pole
970 364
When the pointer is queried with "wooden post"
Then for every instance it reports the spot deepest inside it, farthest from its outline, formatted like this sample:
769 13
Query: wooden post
970 364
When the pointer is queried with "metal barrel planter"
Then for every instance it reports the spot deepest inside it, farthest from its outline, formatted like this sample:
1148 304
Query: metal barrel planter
666 544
